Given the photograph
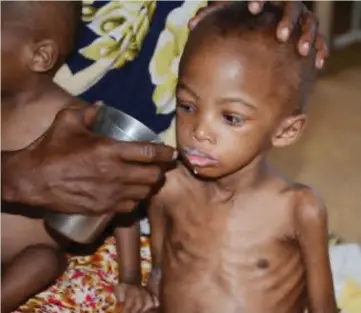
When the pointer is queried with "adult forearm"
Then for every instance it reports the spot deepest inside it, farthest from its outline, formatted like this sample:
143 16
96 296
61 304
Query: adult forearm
9 187
15 185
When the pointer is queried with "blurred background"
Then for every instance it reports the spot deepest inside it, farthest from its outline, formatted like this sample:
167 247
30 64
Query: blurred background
328 157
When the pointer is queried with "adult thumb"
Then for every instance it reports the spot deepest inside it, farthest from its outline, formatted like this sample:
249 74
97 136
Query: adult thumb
90 113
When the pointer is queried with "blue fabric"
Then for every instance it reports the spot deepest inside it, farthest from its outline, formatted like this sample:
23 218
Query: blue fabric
128 88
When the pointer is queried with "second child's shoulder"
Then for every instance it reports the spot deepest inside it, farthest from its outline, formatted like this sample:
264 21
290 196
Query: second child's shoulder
76 103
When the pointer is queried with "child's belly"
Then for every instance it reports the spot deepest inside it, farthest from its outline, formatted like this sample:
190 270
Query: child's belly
208 286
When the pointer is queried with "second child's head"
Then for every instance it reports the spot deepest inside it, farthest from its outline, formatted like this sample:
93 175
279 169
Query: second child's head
36 38
240 90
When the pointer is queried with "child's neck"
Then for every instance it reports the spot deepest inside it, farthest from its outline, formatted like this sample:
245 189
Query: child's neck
244 180
29 94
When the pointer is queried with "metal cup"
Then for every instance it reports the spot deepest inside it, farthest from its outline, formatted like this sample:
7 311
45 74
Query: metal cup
119 126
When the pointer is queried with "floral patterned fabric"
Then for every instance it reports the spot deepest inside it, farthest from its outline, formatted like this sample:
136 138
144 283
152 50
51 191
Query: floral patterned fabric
86 286
127 56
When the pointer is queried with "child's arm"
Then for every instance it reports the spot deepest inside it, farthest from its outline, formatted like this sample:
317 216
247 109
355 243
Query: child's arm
128 250
158 227
129 291
136 298
311 219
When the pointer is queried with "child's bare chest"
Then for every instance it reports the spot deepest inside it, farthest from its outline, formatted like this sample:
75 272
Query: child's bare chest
234 250
250 237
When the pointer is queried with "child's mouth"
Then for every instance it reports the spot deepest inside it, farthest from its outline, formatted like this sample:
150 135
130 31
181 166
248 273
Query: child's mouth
198 158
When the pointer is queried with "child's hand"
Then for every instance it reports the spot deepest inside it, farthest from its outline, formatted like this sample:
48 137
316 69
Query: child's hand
136 299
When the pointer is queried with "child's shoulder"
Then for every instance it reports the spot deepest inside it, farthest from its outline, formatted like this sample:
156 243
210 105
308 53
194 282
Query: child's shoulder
309 208
175 184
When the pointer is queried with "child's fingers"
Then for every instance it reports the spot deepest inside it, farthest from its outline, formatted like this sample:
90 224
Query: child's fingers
136 305
119 292
155 301
149 304
130 305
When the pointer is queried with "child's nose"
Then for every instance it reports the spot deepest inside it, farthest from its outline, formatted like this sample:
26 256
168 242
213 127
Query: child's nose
203 133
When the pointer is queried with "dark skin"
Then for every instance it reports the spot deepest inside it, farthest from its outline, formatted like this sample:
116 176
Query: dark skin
229 234
14 291
142 300
294 12
50 158
100 174
120 173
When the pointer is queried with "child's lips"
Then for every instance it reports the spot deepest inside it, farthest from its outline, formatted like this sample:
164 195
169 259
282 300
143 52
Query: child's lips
200 161
198 158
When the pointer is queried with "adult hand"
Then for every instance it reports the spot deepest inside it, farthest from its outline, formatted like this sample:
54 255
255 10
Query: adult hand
294 12
72 170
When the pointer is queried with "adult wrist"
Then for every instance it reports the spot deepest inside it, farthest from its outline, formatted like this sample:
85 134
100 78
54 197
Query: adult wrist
9 186
15 185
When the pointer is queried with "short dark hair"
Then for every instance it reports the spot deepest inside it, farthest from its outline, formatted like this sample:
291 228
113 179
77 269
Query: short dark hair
36 15
235 20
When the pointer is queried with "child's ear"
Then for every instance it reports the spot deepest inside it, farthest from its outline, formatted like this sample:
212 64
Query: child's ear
45 56
289 131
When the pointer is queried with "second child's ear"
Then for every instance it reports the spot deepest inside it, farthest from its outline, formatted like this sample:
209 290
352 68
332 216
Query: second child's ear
289 131
44 57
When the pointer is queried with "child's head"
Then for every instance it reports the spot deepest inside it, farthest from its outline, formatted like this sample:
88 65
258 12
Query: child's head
240 90
36 37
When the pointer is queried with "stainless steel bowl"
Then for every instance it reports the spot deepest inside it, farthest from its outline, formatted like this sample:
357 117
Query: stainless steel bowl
119 126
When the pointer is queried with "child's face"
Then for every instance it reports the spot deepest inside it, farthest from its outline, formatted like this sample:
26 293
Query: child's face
226 114
24 52
13 56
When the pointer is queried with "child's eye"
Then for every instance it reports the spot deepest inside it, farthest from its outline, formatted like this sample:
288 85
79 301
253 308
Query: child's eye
186 107
234 120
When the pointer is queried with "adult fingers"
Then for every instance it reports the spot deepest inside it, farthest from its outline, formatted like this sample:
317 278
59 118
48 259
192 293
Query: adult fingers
291 14
70 117
309 32
125 206
255 7
203 12
90 113
140 174
135 192
322 51
144 152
